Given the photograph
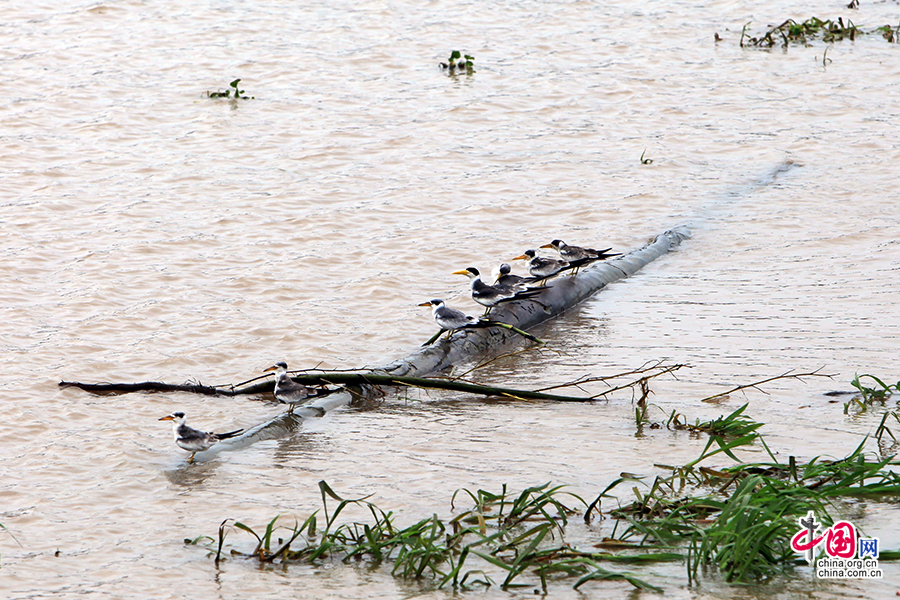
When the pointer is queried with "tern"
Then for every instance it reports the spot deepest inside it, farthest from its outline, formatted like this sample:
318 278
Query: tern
288 391
577 253
506 277
451 319
541 267
191 439
490 296
578 256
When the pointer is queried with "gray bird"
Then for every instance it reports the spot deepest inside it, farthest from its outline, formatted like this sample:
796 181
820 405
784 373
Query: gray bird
449 319
490 296
577 253
542 267
287 391
194 440
578 256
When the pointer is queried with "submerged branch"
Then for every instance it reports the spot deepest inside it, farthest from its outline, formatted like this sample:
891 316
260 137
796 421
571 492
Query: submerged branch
646 372
336 378
755 385
368 379
151 386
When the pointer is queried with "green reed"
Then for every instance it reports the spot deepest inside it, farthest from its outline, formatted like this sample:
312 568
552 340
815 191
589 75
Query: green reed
736 520
869 395
793 32
518 534
740 519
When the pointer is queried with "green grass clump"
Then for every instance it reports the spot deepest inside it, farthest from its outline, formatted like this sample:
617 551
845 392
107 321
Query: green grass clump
736 521
517 534
869 395
793 32
740 519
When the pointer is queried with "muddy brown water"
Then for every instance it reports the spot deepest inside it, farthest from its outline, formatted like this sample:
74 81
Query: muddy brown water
150 232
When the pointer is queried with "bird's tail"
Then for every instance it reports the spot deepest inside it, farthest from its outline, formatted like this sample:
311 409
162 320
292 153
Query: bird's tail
528 293
535 288
603 255
230 434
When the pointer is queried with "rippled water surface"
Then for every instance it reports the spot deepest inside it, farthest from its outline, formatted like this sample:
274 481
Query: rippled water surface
150 232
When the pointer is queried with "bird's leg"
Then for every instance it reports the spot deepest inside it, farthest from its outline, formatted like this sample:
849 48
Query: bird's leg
486 311
191 459
290 409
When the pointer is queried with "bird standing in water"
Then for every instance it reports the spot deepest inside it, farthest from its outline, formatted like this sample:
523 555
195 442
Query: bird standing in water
194 440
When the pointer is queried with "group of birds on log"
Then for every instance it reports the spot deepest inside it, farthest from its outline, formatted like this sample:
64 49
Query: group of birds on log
507 288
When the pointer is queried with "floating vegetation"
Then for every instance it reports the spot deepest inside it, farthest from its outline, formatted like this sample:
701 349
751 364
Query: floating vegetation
736 520
891 34
792 32
740 519
734 425
516 533
873 395
459 63
234 93
870 395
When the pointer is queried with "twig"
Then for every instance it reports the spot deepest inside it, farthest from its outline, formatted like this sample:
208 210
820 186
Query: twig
756 384
639 371
487 362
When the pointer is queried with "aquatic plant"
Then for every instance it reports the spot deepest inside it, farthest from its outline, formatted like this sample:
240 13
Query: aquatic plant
744 533
790 31
234 93
3 527
461 62
870 395
516 533
891 34
737 520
